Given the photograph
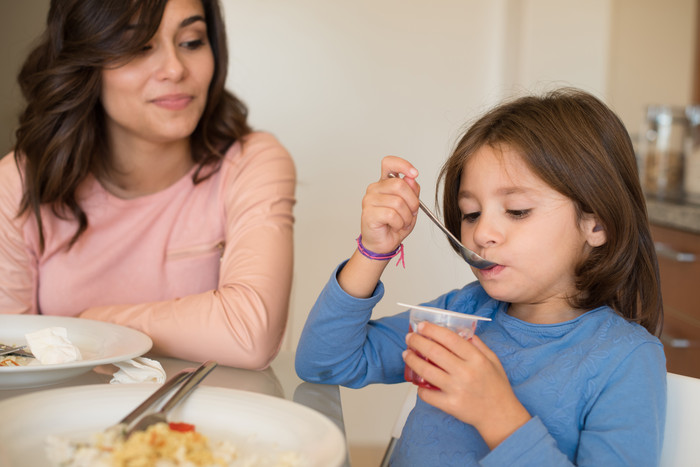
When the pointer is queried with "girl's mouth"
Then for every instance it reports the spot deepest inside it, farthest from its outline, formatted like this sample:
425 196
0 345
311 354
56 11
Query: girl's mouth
491 272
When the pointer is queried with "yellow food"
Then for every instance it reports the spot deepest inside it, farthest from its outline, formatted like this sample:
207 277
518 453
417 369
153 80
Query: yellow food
159 442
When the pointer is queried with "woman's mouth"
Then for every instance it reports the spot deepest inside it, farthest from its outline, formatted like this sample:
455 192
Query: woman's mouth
173 101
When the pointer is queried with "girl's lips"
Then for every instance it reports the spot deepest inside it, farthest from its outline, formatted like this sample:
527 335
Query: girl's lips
491 272
173 102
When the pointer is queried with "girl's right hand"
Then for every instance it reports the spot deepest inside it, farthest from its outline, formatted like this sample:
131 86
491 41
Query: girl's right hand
390 206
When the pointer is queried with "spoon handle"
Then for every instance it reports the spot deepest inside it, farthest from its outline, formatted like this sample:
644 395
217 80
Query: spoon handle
437 222
432 216
191 382
156 396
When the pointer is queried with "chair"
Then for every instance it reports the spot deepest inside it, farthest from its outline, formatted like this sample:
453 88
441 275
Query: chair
408 405
681 443
681 446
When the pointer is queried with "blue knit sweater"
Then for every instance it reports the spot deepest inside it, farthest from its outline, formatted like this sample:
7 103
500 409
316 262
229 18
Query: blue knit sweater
595 386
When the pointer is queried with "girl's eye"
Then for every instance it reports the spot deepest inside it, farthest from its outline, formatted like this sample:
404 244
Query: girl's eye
518 213
193 45
470 217
146 48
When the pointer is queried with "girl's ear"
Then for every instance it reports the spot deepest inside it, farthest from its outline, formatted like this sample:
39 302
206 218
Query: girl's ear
594 231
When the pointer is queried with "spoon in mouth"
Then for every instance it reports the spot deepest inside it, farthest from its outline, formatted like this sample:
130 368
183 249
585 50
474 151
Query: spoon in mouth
469 256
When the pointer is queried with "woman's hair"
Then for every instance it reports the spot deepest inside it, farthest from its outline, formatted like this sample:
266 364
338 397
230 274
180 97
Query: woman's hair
61 135
580 148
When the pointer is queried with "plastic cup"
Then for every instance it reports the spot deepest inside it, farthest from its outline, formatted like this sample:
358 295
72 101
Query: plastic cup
461 323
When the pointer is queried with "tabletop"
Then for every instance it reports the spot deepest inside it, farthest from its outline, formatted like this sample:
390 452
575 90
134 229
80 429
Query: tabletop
279 380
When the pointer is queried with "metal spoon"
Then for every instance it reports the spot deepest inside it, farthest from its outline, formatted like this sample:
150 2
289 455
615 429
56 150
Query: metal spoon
160 417
468 255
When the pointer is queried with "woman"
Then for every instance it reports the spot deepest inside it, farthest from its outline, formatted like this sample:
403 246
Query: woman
138 194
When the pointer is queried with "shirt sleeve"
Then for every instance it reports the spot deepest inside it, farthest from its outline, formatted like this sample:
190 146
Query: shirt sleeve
17 263
341 345
242 322
623 426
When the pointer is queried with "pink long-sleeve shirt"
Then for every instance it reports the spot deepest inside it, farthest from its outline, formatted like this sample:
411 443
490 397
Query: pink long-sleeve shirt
205 270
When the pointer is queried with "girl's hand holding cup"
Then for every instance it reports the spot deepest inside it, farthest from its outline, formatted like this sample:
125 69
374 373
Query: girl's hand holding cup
457 373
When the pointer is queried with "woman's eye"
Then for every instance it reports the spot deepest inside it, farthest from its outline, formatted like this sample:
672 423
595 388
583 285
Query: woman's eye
470 217
518 213
193 45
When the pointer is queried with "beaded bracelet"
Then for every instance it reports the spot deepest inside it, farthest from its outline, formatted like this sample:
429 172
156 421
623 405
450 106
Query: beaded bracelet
381 256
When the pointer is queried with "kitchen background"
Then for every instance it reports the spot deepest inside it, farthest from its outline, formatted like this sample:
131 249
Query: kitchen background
342 84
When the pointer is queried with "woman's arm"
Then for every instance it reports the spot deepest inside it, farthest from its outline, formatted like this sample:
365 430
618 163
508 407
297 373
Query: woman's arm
242 322
17 264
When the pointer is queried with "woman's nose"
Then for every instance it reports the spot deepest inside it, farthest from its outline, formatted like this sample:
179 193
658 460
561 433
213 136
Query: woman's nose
170 65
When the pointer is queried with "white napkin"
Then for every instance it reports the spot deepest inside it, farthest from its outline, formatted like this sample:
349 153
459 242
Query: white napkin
139 370
51 345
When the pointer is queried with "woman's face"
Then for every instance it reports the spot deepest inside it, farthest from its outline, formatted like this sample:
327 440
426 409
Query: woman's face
160 95
513 218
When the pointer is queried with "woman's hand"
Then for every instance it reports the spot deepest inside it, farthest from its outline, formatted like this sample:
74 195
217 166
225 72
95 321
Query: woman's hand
390 206
472 384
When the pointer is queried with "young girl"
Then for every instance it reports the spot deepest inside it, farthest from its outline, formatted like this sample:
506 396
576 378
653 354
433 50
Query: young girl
568 371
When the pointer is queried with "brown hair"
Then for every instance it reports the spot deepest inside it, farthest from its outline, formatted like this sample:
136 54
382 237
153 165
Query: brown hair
580 148
61 134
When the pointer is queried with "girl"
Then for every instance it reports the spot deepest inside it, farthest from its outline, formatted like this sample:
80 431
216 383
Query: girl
568 371
137 192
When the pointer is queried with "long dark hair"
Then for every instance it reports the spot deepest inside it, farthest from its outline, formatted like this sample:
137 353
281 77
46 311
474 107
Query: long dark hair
61 135
580 148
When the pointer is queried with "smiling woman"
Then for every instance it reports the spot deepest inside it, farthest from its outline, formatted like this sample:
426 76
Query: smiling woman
137 192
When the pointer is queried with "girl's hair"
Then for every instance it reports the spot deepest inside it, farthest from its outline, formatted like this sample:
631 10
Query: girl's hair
580 148
61 134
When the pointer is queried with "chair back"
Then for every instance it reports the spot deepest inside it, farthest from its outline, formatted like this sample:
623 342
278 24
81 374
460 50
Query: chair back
681 446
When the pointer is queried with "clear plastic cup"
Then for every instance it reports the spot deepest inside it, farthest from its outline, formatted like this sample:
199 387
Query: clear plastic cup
461 323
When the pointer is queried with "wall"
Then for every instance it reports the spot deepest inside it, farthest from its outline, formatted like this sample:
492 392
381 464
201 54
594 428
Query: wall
652 56
22 22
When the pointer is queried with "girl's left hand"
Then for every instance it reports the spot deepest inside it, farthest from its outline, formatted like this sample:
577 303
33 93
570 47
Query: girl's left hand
473 386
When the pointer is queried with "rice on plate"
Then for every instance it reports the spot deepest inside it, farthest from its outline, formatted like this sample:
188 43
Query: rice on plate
162 445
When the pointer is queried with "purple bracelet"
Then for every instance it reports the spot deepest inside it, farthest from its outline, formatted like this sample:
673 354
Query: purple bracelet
381 256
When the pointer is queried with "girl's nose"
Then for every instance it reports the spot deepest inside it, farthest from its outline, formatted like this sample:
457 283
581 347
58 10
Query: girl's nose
486 231
170 65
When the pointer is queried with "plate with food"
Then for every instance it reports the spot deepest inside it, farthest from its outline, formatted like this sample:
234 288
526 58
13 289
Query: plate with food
70 427
93 343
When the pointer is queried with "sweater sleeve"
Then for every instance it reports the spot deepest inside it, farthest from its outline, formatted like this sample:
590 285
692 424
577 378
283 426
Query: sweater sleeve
341 345
242 322
17 263
623 426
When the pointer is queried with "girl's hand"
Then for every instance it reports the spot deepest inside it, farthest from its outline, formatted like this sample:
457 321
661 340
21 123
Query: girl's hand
390 206
473 386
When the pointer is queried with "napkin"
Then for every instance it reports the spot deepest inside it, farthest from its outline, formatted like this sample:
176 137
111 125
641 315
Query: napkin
51 345
139 370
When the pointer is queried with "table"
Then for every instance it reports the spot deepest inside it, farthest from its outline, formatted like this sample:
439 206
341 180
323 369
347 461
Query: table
279 380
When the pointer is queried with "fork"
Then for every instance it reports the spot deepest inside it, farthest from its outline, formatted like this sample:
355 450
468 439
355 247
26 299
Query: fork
161 416
468 255
16 350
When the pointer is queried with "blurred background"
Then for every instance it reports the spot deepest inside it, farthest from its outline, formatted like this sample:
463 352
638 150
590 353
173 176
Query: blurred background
342 84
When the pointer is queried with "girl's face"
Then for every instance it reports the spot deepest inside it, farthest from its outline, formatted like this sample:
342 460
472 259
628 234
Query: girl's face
160 95
511 217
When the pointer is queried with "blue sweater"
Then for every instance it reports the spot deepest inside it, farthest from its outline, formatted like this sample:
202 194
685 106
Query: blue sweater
595 386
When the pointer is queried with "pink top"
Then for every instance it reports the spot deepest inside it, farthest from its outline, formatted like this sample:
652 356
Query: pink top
205 270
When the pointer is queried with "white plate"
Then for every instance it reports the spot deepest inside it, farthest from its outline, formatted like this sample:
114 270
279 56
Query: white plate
249 420
99 343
